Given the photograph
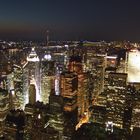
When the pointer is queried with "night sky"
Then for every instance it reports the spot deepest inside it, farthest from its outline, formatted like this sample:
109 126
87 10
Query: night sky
70 19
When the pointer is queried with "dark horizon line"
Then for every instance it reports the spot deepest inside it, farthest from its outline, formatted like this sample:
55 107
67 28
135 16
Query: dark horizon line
34 39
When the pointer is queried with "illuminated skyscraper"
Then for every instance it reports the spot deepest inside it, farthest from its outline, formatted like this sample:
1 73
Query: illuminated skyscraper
116 95
16 89
136 114
136 107
4 107
47 77
69 89
33 72
82 94
25 85
56 119
133 66
63 105
76 64
98 112
98 64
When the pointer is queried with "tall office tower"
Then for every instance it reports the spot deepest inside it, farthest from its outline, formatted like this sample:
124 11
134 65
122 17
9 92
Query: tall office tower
84 93
69 89
25 86
82 98
4 107
135 115
133 66
116 95
33 69
77 58
90 55
17 88
61 118
5 64
47 77
98 70
75 65
136 111
7 83
56 119
60 59
98 110
129 103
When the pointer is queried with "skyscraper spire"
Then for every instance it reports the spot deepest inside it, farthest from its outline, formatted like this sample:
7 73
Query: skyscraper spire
33 56
47 38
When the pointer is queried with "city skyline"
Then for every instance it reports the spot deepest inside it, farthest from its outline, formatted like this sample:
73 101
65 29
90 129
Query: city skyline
70 20
61 91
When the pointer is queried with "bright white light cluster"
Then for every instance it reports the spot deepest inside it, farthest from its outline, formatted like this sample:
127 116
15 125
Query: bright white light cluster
109 126
33 56
133 68
47 57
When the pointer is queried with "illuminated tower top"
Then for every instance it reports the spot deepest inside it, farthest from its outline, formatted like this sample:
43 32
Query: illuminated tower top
47 57
33 56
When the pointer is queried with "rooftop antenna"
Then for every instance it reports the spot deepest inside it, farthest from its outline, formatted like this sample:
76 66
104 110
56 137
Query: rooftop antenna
47 38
